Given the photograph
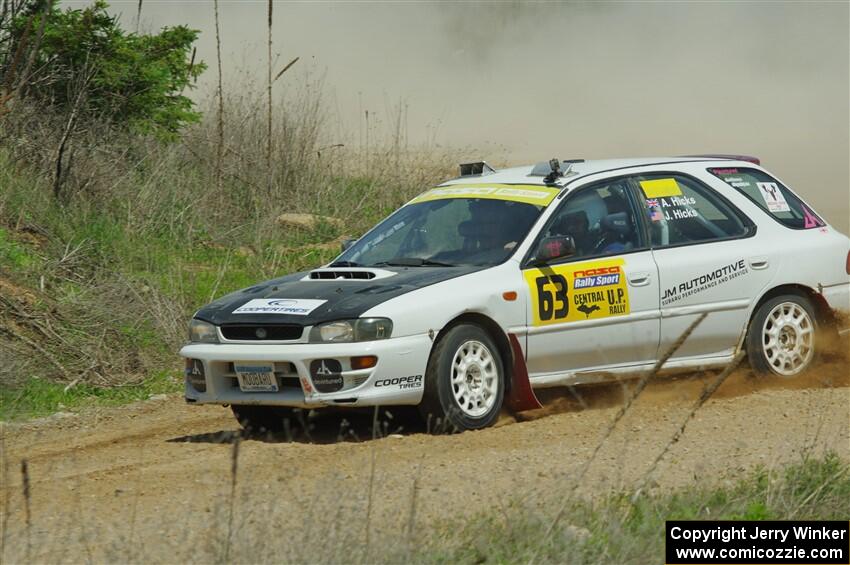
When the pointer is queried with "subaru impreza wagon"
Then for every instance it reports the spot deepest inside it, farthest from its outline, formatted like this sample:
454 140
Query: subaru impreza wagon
561 273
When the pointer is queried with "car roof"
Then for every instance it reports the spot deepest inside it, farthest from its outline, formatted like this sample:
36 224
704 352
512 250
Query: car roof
522 175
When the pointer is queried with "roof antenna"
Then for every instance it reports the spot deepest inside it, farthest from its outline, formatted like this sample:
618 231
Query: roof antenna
555 165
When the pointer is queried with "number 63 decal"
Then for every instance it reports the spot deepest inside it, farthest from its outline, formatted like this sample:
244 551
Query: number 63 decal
550 304
577 292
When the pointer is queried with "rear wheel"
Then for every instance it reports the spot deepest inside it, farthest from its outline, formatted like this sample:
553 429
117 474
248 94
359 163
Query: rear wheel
783 336
464 382
264 419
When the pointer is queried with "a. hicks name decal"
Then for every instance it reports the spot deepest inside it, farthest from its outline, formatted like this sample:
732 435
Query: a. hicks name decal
704 282
666 202
578 291
672 208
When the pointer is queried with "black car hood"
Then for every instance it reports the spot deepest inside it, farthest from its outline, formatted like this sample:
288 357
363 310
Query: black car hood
345 298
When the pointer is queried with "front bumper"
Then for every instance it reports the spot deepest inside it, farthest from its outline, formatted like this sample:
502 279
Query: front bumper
392 381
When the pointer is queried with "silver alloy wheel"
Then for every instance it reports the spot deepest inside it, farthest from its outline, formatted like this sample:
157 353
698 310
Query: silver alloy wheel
788 337
474 379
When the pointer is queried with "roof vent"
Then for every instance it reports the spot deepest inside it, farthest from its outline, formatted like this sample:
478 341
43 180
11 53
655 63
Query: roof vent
476 169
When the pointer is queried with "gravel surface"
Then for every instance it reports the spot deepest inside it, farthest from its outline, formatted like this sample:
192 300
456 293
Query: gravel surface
152 481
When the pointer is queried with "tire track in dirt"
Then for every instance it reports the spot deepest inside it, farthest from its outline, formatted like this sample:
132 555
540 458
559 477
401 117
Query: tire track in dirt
156 475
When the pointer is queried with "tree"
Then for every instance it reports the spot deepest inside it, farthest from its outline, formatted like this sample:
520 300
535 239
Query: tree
85 64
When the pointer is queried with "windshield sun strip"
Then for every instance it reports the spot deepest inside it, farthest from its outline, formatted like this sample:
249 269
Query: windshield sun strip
537 195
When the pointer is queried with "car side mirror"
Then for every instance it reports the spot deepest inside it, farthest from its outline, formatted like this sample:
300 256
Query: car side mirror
557 247
347 242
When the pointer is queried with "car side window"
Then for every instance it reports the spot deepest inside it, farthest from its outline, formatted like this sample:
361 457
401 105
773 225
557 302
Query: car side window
601 220
681 210
771 196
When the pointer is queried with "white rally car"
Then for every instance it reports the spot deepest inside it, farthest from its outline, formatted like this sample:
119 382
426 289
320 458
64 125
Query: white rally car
563 273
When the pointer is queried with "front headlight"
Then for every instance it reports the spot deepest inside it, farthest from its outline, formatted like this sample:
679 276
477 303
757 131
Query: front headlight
202 332
342 331
334 332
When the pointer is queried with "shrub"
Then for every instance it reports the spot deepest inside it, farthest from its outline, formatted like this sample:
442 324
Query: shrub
85 63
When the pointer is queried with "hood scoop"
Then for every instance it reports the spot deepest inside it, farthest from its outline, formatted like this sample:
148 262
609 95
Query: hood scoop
344 274
334 275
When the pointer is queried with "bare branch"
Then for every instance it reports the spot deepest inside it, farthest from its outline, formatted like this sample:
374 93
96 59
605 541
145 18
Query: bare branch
286 68
220 146
269 130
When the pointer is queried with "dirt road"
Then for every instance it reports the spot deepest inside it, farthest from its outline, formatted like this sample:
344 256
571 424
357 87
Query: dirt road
152 481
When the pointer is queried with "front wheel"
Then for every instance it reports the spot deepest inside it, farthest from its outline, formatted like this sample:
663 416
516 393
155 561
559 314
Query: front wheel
782 338
464 381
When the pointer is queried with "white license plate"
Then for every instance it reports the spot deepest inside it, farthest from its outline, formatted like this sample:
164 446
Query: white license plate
256 377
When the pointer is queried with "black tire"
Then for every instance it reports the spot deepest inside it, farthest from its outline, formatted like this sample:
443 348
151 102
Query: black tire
440 406
791 351
265 419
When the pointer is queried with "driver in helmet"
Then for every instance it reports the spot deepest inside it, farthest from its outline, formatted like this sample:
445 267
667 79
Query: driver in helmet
576 225
496 225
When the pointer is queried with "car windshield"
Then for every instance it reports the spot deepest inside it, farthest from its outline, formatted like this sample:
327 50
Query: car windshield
446 232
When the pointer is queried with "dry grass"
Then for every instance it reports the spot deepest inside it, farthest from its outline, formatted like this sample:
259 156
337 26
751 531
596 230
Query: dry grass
246 523
144 233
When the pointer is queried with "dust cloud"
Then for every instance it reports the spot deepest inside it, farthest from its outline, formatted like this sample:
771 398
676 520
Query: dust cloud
521 82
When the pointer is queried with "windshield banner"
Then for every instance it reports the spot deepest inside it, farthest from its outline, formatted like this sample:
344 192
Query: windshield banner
527 193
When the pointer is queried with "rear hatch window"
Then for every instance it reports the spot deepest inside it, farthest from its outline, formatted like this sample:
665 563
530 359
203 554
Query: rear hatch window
771 196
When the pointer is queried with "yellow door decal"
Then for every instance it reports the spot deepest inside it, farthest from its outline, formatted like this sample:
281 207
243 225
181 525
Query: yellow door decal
578 291
659 188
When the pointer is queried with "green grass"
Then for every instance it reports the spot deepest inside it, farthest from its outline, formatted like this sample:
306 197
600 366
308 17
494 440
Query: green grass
14 254
101 277
116 294
616 529
119 275
41 397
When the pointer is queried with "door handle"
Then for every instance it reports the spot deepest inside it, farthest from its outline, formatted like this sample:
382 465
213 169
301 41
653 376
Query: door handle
759 263
639 279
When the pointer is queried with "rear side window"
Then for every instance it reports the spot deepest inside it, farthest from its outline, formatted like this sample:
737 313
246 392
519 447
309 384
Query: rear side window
771 196
682 210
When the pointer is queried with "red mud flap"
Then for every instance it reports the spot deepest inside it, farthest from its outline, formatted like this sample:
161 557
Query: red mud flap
521 396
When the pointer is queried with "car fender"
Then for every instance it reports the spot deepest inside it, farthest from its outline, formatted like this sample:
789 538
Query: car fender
432 309
805 274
